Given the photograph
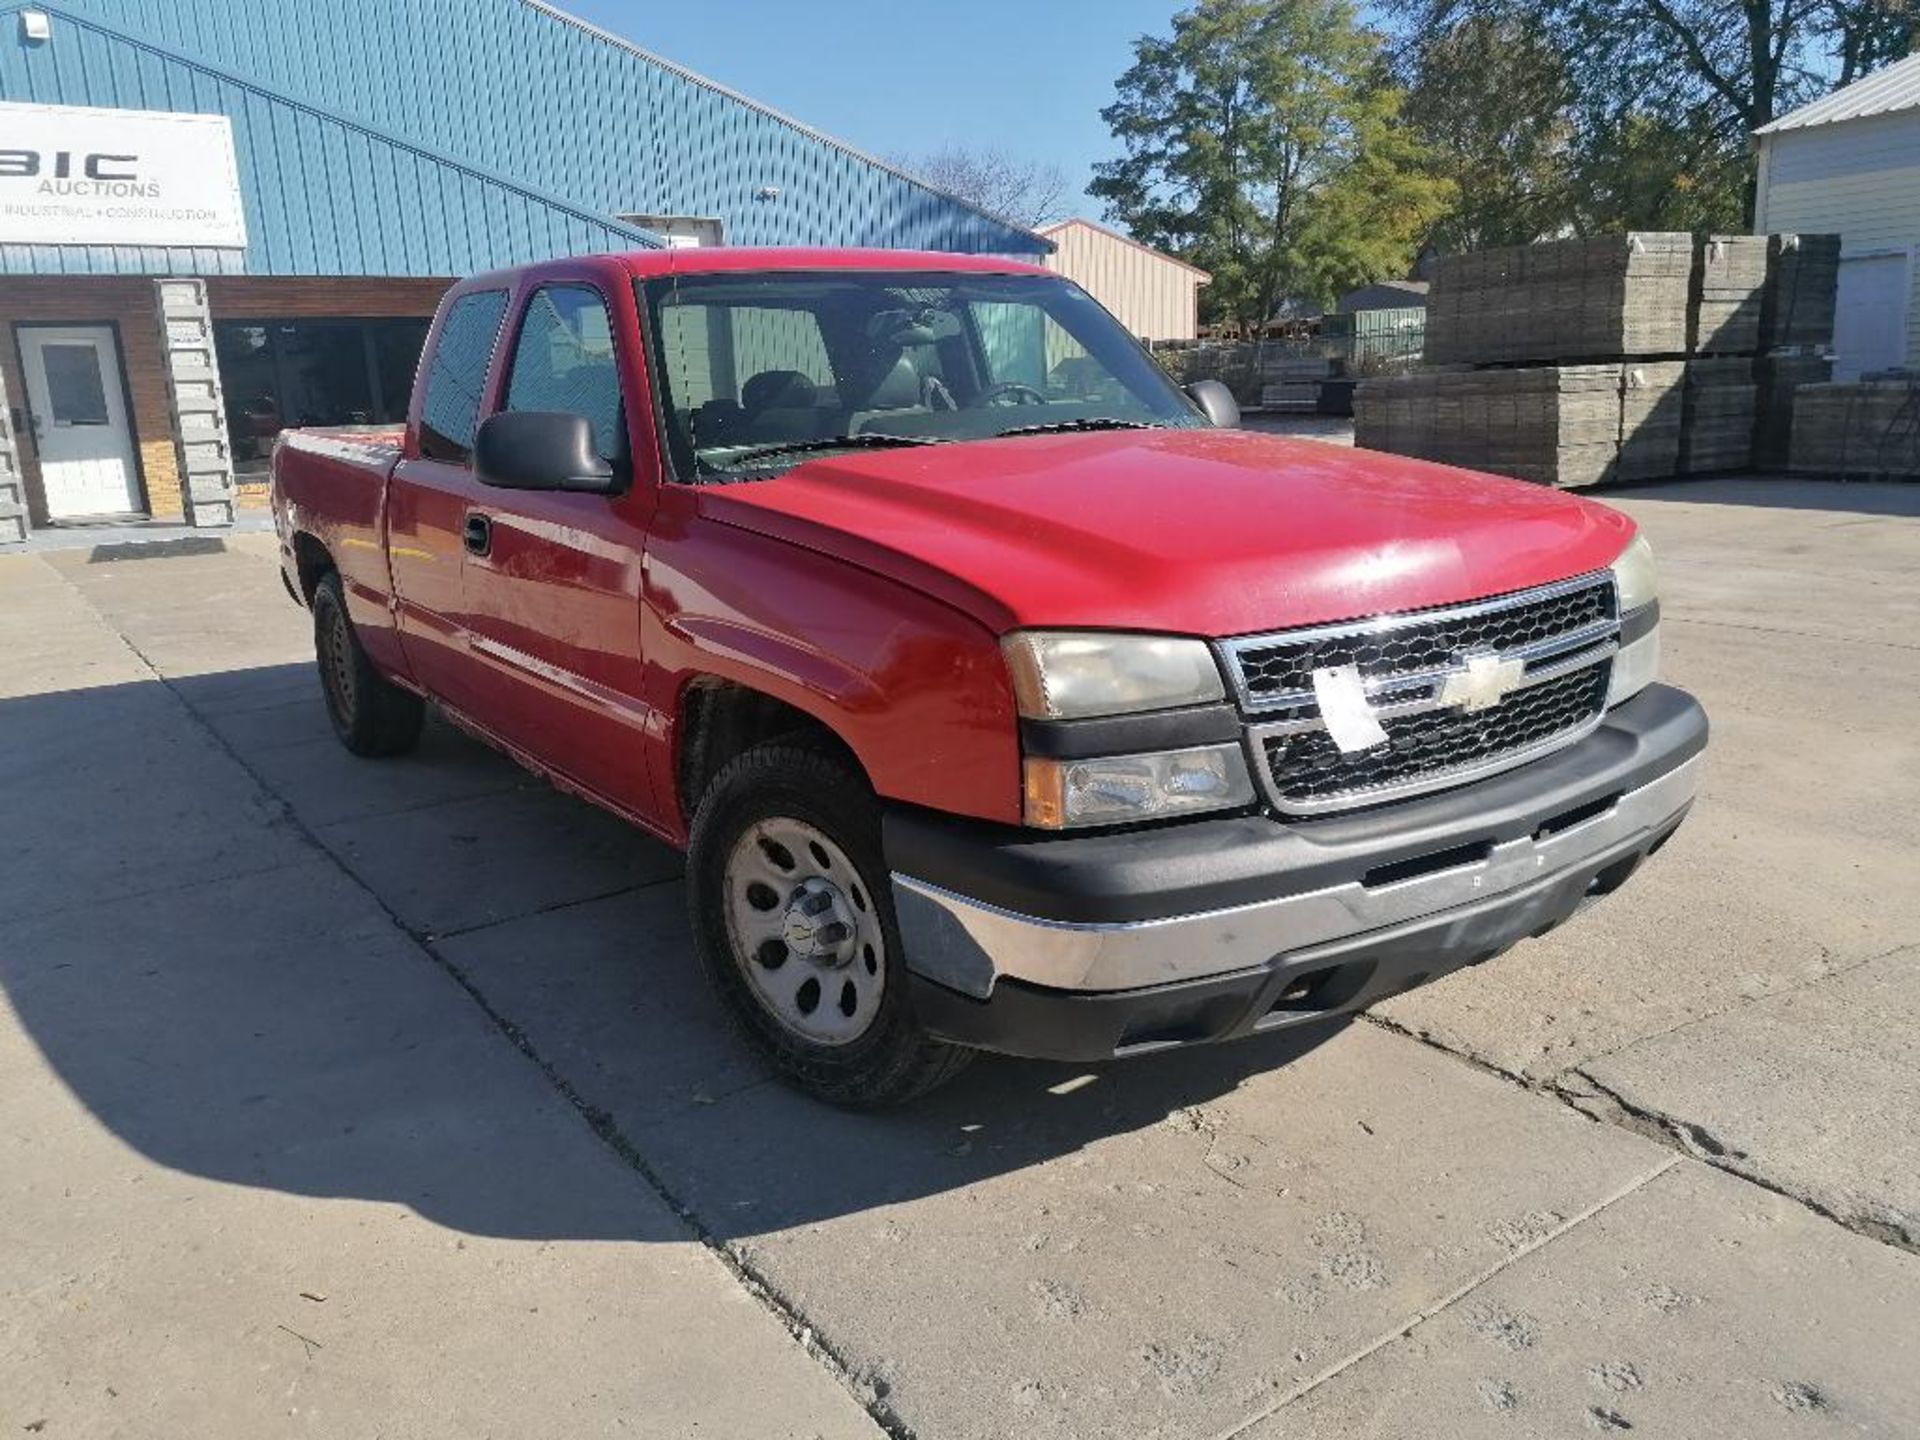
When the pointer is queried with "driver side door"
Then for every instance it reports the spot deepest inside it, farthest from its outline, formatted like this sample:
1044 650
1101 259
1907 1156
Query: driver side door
553 595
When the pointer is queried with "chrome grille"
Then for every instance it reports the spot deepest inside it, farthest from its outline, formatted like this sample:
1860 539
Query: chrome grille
1564 635
1307 768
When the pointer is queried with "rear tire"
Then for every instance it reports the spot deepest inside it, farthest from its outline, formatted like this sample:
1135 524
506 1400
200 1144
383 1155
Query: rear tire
372 716
792 914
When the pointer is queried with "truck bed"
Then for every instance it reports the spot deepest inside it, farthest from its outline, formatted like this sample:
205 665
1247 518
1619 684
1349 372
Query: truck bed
332 484
375 446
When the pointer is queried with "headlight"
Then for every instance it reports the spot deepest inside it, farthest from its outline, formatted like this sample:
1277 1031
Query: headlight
1634 577
1071 674
1638 663
1119 789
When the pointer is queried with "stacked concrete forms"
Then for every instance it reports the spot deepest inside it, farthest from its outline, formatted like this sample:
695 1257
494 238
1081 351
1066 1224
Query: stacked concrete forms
1555 424
1858 429
1730 281
1777 377
1803 276
1652 417
1599 299
1721 409
1660 348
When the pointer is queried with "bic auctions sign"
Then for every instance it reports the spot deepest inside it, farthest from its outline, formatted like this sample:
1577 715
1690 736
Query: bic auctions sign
75 176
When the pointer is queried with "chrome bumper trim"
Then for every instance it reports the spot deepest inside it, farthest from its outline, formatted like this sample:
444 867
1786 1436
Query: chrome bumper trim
954 939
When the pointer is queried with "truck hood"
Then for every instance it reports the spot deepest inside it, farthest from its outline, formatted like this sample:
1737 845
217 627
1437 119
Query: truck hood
1198 532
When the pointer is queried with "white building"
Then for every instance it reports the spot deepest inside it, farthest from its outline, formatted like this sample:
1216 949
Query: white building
1153 294
1851 164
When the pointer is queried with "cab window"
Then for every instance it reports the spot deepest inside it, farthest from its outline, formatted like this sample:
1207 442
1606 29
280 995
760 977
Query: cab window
563 360
457 374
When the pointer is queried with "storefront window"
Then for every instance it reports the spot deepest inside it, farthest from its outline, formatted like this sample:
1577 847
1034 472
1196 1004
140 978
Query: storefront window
280 373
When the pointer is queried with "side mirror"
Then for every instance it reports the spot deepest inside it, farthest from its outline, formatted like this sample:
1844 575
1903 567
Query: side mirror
540 450
1216 402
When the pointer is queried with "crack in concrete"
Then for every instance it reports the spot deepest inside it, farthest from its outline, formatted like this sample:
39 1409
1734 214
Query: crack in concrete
1682 619
784 1311
552 908
1606 1106
1609 1106
1450 1299
527 783
1793 987
145 892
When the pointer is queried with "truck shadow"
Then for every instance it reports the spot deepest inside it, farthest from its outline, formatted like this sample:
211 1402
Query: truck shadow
1860 497
253 958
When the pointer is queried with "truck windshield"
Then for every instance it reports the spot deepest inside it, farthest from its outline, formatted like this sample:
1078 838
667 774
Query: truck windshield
760 371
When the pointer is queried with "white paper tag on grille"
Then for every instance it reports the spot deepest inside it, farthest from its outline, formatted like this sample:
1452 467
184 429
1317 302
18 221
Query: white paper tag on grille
1343 705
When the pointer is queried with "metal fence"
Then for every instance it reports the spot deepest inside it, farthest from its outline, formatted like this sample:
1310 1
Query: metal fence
1288 373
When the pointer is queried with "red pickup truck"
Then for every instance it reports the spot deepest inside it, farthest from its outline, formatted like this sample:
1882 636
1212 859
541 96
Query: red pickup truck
1001 696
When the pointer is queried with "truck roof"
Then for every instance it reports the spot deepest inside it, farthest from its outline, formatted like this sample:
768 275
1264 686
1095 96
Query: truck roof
691 260
697 260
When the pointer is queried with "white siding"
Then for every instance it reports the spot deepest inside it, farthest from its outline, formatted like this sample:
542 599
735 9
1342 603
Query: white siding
1859 178
1153 295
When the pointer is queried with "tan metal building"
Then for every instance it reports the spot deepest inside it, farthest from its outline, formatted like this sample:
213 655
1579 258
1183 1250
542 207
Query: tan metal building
1153 294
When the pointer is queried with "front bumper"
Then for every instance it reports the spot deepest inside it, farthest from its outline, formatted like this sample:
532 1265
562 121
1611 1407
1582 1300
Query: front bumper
1091 946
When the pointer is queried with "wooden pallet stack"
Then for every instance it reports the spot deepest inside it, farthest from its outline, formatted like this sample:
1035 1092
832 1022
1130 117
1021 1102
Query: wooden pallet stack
1858 429
1721 410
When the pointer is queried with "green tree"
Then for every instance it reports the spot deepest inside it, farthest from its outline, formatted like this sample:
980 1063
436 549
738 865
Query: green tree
1655 172
1371 216
1697 70
1260 143
1491 97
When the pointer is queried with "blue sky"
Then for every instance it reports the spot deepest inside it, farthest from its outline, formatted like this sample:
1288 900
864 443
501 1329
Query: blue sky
889 76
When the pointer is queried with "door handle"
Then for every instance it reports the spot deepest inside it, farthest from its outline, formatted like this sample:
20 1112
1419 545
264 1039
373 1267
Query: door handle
479 533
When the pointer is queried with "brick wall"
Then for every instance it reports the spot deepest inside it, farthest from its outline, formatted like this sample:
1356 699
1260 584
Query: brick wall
128 303
122 300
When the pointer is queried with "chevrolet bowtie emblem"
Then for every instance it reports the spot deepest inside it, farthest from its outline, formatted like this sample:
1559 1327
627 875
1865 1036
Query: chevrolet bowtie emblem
1483 682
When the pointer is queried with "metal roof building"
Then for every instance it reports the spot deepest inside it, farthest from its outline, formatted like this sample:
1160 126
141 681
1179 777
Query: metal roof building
1154 294
1850 163
351 159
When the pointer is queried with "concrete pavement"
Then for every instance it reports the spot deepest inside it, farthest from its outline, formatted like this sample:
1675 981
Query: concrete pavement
1755 997
265 1169
424 1038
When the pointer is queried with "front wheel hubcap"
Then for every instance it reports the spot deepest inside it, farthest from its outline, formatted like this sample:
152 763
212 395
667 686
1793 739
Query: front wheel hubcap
805 932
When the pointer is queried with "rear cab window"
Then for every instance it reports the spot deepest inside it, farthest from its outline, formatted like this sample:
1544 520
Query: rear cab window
457 376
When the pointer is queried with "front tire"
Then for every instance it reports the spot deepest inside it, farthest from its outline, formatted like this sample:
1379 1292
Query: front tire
372 716
793 918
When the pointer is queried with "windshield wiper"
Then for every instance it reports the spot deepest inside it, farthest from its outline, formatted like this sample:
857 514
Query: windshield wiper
831 442
1063 427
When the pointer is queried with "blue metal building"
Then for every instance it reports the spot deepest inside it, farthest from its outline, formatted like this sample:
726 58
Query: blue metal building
378 148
